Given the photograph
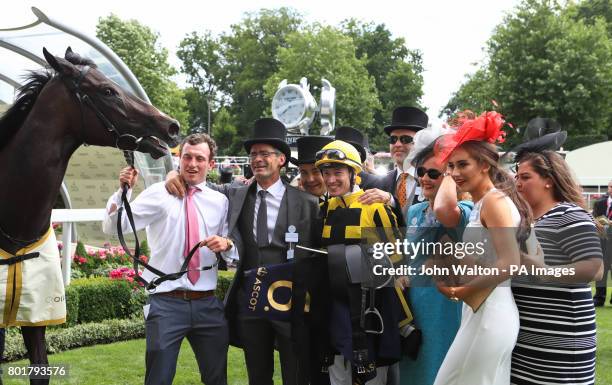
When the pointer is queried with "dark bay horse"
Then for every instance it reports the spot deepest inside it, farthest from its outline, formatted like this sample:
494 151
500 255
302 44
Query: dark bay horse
56 111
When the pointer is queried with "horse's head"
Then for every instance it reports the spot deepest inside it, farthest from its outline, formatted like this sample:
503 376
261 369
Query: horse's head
110 115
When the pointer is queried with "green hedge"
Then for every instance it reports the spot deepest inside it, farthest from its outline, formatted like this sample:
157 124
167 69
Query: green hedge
102 298
578 141
61 339
98 299
72 305
100 310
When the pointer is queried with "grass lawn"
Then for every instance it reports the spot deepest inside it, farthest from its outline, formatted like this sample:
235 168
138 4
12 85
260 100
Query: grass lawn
604 345
122 363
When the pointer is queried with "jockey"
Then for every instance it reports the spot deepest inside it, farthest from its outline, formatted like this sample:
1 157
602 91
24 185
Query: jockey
364 341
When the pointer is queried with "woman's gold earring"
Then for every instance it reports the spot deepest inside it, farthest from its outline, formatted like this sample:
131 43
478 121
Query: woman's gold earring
547 186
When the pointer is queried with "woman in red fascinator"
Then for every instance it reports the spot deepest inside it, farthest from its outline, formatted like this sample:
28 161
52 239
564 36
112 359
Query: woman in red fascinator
499 223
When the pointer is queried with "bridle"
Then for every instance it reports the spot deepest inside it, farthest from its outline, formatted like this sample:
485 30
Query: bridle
128 143
123 141
136 261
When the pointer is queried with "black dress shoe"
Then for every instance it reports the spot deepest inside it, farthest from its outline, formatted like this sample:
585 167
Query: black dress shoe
598 302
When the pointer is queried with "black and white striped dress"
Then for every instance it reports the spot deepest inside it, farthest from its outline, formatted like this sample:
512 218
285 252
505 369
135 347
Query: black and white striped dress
556 342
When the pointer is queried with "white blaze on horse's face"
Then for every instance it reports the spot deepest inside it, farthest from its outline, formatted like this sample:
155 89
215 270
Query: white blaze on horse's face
195 163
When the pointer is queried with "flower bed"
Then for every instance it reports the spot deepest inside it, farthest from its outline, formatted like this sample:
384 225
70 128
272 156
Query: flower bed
110 261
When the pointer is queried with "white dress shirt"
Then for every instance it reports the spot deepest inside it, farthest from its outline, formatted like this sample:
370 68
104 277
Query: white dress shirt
273 202
163 215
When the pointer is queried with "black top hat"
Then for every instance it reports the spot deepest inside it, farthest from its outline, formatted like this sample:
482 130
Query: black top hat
410 118
353 136
366 144
226 175
307 147
269 131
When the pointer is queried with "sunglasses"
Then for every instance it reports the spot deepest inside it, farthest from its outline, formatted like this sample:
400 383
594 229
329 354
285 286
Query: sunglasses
432 173
405 139
330 154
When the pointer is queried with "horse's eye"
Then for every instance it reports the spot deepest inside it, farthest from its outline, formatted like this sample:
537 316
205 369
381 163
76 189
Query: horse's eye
109 92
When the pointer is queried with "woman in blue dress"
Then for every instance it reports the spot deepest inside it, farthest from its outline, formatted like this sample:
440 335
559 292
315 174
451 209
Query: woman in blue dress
435 315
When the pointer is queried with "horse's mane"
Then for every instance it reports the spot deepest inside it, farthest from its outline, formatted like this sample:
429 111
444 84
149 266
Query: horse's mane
27 95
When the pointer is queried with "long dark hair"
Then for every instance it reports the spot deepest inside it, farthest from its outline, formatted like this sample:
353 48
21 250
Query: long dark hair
549 164
485 152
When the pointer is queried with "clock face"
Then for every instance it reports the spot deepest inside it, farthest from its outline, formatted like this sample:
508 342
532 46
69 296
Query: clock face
289 106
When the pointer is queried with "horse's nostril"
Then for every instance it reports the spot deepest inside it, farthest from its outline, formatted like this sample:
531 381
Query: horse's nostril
174 128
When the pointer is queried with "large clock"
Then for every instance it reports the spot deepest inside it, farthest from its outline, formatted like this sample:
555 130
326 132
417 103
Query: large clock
294 106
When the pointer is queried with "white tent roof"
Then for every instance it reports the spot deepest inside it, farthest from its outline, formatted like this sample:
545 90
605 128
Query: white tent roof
592 164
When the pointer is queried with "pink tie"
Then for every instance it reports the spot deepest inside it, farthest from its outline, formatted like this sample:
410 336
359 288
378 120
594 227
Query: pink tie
192 235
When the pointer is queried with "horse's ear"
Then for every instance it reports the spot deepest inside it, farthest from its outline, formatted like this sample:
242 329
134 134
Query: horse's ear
68 52
62 66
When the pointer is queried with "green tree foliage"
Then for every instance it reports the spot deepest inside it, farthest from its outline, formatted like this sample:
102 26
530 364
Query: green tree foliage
225 132
544 61
325 52
475 94
138 47
239 69
397 71
591 10
233 68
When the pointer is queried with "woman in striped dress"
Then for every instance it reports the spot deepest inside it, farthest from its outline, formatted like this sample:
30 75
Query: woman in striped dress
556 342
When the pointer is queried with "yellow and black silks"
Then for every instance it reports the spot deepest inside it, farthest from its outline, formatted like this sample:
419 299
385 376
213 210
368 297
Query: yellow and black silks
347 221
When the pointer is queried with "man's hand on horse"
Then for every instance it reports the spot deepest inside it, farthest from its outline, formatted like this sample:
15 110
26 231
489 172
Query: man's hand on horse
175 184
129 176
215 243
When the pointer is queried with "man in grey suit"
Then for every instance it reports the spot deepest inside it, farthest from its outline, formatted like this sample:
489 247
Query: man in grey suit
260 216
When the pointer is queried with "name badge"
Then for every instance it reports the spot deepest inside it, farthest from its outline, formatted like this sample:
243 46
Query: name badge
291 236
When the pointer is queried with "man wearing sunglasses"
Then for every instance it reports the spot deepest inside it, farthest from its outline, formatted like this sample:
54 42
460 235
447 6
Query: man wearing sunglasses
405 123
